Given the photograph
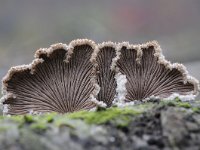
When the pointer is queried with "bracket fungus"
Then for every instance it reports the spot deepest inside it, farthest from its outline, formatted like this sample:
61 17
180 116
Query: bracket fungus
60 79
149 75
84 75
105 76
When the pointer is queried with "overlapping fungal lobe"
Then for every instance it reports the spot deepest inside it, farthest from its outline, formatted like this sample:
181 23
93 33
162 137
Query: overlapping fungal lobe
58 80
81 75
149 74
105 75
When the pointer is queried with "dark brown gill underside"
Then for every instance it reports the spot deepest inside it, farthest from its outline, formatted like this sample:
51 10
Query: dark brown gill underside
55 85
105 76
149 78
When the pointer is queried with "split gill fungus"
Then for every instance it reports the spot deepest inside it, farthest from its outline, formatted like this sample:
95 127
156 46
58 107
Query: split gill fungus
83 75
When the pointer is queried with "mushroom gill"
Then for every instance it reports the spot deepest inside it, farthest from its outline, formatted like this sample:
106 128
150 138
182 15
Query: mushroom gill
60 79
150 75
103 57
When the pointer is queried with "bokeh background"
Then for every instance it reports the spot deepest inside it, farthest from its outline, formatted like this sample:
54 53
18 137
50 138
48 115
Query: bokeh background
27 25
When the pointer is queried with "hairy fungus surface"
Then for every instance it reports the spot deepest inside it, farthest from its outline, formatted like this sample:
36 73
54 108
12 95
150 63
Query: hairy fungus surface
59 80
150 75
83 75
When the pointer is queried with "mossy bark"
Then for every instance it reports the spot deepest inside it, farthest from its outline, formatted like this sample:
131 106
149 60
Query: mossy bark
158 125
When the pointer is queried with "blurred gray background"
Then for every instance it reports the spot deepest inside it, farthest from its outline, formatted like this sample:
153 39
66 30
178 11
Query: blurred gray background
27 25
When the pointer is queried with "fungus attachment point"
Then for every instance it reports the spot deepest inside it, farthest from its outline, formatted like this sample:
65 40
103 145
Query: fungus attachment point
153 75
54 85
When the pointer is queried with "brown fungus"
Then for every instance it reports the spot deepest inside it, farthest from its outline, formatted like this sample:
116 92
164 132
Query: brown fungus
83 75
60 79
149 75
102 58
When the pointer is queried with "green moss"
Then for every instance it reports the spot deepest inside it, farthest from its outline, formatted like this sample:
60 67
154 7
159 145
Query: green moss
121 117
63 121
177 103
18 119
196 109
101 117
41 122
168 103
39 127
50 118
184 104
28 119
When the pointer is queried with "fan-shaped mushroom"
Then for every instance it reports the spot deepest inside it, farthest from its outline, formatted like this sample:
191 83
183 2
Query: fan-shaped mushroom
102 58
149 74
60 79
66 78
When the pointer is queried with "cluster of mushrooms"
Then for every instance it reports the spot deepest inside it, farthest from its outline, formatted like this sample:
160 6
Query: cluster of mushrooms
83 75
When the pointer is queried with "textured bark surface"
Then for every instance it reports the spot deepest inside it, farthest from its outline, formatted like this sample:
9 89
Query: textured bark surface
149 126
